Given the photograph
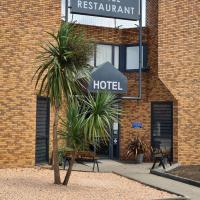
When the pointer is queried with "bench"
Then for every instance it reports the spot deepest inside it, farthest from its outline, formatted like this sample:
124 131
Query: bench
159 156
81 157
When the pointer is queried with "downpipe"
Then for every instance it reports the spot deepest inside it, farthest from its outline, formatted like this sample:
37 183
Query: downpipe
139 97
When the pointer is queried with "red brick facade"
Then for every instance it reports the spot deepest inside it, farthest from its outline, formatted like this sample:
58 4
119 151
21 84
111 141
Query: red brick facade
173 59
23 25
179 64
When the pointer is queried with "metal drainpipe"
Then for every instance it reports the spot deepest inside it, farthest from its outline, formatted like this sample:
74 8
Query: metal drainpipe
139 97
66 11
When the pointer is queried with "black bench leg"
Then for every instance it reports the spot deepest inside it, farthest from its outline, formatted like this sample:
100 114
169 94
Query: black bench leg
93 166
65 161
154 164
96 162
162 163
97 165
170 162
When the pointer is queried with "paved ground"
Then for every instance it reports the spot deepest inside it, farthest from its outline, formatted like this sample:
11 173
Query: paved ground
140 172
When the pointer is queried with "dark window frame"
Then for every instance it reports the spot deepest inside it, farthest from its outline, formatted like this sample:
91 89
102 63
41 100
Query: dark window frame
113 52
123 56
145 58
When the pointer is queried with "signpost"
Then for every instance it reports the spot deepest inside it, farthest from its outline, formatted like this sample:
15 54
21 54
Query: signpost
120 9
107 78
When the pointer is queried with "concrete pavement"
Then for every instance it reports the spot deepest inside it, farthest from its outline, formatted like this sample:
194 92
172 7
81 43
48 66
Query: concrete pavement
141 173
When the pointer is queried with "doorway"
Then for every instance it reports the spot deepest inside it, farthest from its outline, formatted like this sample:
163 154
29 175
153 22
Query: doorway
42 130
110 150
162 126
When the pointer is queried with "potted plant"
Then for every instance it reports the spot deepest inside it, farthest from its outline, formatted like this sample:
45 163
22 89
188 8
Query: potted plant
137 148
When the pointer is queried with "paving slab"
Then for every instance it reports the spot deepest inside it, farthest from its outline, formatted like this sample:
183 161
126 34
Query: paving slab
141 173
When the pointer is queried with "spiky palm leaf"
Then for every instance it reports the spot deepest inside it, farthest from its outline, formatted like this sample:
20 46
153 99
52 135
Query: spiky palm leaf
72 127
63 61
89 118
101 113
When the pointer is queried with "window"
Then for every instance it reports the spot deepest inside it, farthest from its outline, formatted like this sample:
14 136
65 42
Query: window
105 53
116 57
123 57
91 59
132 57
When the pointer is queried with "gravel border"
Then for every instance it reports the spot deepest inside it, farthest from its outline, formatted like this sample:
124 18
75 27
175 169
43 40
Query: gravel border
35 183
176 178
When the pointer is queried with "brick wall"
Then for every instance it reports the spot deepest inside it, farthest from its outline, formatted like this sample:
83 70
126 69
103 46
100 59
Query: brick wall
152 87
153 90
157 90
22 29
179 64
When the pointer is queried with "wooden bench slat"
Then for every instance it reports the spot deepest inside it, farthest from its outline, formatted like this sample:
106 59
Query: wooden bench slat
81 156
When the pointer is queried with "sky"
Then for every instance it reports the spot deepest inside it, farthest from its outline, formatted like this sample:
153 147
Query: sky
101 21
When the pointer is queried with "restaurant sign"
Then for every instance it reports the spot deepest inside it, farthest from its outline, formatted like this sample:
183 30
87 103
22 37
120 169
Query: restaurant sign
120 9
107 78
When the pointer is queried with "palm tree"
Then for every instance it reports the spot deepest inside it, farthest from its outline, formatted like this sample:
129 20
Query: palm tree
88 119
62 62
72 131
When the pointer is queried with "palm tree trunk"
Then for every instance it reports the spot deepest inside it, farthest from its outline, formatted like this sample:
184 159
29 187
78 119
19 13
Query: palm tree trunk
55 148
69 171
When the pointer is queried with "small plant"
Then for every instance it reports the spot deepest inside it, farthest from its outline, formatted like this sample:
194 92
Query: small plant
136 147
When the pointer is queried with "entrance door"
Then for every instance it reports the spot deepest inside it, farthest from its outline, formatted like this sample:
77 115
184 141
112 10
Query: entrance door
42 130
162 125
111 148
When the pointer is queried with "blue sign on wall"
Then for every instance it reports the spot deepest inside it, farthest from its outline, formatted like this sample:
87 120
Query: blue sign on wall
137 125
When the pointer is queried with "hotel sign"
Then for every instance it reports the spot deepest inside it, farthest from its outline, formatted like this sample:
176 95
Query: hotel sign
107 78
121 9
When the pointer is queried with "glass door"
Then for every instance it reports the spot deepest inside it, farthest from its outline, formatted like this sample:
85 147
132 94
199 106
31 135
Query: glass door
162 126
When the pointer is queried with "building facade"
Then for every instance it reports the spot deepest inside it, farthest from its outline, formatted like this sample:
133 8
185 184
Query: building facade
169 111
